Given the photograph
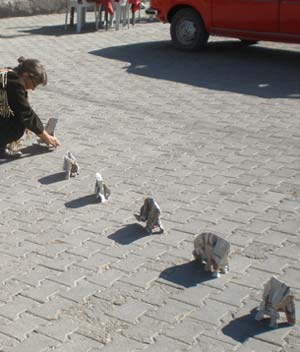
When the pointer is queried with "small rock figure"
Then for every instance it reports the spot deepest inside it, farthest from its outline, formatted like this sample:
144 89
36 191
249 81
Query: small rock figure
277 297
70 165
214 251
150 212
101 190
50 128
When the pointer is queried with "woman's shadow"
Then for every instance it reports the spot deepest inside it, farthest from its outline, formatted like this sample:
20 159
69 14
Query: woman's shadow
241 329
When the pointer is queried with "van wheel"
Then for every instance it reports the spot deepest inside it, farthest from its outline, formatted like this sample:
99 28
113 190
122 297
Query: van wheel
245 42
188 31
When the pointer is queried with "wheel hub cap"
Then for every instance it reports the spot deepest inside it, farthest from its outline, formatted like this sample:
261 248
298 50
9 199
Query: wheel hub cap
186 31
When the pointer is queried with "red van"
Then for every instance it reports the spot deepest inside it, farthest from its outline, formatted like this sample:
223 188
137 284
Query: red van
192 21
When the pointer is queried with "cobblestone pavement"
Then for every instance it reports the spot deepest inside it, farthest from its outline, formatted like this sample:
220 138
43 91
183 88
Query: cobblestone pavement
213 136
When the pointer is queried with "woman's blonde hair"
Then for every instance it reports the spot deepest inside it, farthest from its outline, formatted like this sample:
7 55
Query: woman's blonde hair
34 69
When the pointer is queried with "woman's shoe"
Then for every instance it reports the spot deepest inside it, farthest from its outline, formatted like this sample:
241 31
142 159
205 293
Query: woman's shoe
9 154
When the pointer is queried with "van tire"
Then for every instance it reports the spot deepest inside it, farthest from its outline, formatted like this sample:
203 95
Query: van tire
188 31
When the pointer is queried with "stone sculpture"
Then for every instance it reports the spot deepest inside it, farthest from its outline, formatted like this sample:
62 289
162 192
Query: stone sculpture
277 297
50 125
101 190
49 128
150 213
214 251
70 165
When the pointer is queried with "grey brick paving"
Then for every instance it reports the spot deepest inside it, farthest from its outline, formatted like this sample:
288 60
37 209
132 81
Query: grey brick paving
213 136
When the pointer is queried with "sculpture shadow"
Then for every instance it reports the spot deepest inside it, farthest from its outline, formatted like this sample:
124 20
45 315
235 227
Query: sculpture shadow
82 202
246 326
57 177
222 66
187 275
129 234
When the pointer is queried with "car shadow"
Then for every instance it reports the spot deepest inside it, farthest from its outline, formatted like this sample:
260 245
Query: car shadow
223 66
241 329
187 274
82 201
129 233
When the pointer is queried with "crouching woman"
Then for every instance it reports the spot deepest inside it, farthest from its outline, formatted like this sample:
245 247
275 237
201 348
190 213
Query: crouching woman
16 114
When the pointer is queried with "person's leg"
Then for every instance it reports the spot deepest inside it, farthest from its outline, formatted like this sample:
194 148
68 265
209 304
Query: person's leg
10 131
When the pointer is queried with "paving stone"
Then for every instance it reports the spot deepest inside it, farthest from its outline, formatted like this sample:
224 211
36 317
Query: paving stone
146 330
164 344
212 312
273 216
7 343
157 294
78 343
106 278
272 237
290 277
174 238
120 343
61 263
171 312
211 345
143 278
81 291
86 250
43 292
51 310
70 277
21 327
233 294
254 344
253 278
34 276
35 342
272 264
11 289
239 264
130 263
130 312
289 226
241 238
97 262
185 331
152 251
291 251
60 330
15 307
257 227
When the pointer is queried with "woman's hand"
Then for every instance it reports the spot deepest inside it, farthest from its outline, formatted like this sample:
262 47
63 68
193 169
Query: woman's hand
48 139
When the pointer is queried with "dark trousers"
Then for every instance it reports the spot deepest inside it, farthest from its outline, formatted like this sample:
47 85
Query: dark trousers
10 130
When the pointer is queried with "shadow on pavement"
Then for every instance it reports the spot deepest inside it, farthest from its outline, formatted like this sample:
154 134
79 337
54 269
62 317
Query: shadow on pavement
187 275
246 326
223 66
129 234
28 151
59 30
35 149
82 202
57 177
